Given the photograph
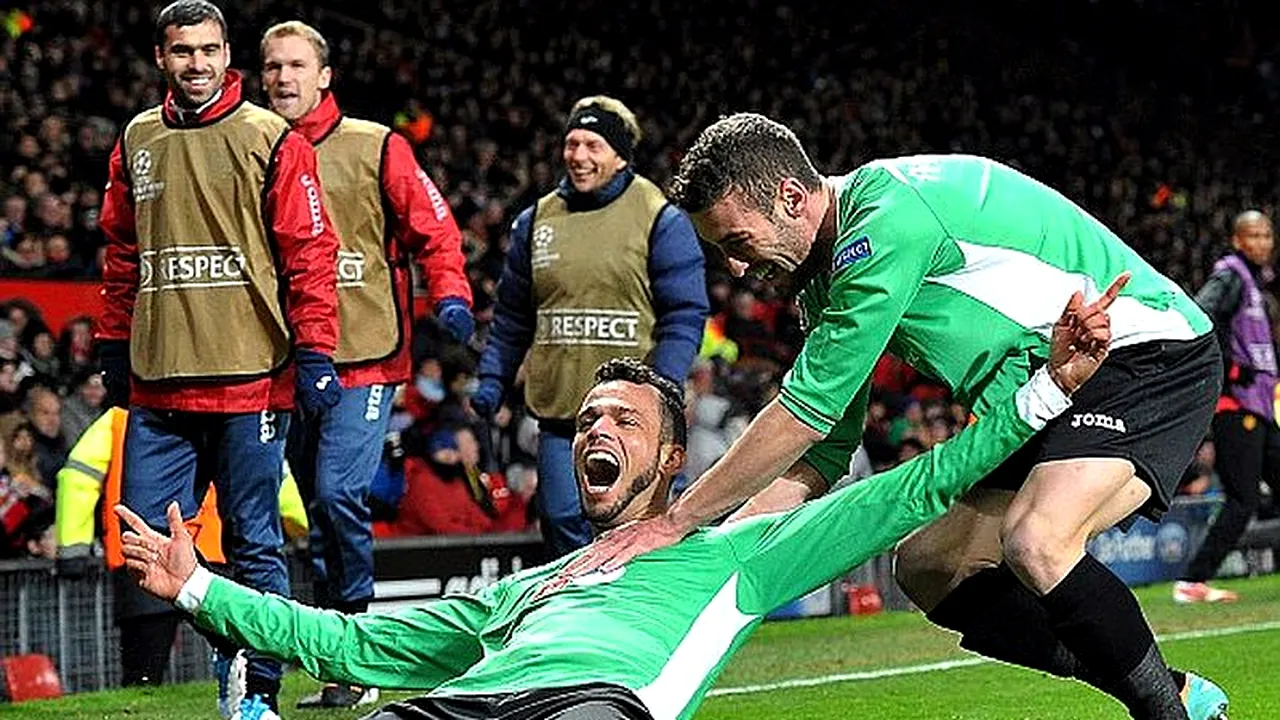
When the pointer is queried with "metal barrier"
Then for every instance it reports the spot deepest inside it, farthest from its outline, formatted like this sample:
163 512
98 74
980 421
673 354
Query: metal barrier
73 622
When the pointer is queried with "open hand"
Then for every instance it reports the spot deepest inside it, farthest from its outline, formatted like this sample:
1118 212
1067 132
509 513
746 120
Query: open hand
617 547
161 565
1082 337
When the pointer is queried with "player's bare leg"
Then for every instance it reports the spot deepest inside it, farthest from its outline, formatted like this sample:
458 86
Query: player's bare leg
932 561
1092 612
953 570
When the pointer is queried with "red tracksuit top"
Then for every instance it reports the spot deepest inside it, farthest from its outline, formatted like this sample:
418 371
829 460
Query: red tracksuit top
308 269
422 227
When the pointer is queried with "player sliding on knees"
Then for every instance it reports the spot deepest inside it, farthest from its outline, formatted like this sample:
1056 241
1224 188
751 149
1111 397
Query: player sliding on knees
644 641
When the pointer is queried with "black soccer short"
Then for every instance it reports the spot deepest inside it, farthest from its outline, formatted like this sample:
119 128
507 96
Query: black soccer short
592 701
1149 403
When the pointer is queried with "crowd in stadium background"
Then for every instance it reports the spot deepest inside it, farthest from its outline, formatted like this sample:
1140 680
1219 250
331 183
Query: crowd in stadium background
1165 142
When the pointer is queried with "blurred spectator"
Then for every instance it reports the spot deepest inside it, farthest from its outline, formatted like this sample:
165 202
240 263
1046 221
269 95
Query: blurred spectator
26 516
20 454
711 431
909 448
83 405
44 407
43 358
744 325
1200 478
448 493
9 379
75 347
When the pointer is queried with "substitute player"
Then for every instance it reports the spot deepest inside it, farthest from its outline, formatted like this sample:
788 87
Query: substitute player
388 213
955 264
1246 438
646 640
219 294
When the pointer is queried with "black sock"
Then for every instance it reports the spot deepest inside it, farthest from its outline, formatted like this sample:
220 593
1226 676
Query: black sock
997 616
265 688
1098 619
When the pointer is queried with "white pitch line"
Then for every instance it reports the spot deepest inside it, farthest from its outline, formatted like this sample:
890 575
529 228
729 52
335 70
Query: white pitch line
959 663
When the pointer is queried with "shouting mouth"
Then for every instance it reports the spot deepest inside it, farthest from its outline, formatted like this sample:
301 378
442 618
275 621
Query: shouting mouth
601 470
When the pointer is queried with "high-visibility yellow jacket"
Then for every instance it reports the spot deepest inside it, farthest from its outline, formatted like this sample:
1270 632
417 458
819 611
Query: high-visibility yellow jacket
89 487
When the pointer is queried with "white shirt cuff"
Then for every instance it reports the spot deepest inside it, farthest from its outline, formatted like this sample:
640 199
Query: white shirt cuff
1040 399
191 596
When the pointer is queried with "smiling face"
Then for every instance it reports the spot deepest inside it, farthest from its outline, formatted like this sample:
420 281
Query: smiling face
623 455
770 246
590 161
194 61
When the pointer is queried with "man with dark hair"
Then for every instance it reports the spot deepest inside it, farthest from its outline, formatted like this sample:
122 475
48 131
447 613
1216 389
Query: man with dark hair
954 263
389 215
645 641
220 309
601 267
1245 436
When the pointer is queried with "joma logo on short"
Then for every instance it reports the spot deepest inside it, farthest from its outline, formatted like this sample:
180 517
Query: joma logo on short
1098 420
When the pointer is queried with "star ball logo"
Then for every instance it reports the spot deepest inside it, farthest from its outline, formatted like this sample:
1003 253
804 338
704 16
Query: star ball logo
542 255
543 235
144 186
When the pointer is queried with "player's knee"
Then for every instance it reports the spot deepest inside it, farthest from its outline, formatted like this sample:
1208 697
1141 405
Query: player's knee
1038 549
924 572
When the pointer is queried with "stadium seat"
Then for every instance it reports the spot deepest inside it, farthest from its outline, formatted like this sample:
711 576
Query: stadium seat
28 677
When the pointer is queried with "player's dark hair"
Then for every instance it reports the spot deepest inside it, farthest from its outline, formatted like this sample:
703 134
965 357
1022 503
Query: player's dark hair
634 371
184 13
747 152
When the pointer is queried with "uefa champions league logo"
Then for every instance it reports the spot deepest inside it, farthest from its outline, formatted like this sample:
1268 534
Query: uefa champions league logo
144 186
542 236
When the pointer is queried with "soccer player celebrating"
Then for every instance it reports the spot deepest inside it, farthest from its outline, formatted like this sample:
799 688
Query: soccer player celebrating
955 264
646 640
387 211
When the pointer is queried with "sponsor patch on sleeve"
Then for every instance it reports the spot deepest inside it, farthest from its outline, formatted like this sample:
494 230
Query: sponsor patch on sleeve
859 249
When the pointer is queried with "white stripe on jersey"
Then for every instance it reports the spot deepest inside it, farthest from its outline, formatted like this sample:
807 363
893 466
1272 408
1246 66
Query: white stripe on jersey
1033 293
700 651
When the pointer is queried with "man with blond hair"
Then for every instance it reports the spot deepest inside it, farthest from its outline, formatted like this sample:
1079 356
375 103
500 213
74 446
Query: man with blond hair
388 213
601 267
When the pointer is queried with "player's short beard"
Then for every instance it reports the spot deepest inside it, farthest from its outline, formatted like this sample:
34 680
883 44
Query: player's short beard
602 517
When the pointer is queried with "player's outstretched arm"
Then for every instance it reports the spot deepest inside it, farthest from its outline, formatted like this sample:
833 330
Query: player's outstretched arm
786 555
414 650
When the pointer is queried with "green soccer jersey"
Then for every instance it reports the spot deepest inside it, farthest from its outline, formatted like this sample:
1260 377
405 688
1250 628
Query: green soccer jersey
662 626
960 266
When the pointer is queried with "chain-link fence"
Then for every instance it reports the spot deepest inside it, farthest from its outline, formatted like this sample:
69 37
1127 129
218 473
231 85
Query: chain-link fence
72 620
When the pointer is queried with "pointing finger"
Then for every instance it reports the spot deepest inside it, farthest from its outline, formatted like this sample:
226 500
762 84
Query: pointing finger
1113 292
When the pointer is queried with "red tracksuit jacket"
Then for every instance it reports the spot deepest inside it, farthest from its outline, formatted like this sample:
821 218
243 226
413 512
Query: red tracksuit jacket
422 227
308 268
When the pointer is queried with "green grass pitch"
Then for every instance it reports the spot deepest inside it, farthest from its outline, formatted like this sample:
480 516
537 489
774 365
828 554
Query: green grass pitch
893 665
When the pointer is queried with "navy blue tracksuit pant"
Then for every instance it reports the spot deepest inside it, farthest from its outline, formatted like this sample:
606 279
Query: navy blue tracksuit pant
564 527
173 455
334 459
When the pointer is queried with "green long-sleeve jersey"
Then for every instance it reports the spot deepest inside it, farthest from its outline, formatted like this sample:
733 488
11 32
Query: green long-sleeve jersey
662 626
959 266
